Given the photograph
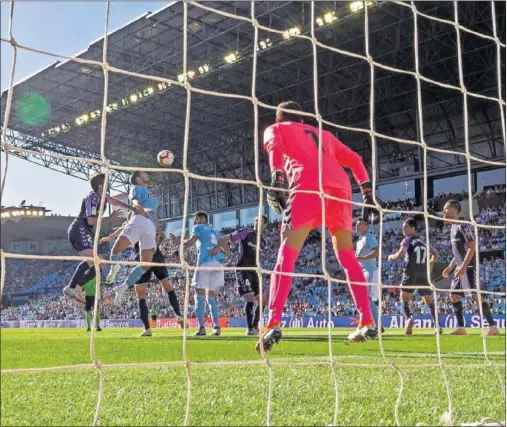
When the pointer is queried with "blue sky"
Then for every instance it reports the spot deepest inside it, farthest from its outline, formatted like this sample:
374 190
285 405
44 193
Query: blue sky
65 28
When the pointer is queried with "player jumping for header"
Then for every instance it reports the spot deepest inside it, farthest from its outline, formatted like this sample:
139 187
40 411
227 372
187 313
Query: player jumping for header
205 281
463 265
81 234
294 147
248 281
141 227
413 252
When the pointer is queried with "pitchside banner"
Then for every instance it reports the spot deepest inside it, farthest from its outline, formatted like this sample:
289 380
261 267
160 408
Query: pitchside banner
446 321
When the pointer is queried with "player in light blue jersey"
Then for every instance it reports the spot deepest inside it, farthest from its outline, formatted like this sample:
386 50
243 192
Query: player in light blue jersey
141 227
367 254
205 281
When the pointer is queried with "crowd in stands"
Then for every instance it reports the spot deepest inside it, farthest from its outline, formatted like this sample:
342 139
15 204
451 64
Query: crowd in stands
309 296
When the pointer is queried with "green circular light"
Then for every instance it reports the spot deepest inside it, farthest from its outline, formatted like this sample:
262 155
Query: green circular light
33 109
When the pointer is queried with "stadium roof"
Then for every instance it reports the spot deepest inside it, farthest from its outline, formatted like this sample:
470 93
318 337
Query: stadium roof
221 129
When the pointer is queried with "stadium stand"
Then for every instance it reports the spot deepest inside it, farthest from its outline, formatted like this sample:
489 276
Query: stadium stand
34 287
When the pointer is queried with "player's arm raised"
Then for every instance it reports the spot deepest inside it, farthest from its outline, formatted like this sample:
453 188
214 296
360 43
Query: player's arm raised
273 144
351 160
191 241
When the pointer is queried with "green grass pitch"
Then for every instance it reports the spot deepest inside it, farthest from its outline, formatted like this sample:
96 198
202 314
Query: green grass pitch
237 395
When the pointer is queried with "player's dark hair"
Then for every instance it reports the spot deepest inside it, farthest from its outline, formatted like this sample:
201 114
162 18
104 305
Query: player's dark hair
97 180
283 116
265 218
133 177
411 222
201 214
455 204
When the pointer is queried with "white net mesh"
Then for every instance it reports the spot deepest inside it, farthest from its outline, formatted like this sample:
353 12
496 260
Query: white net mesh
185 83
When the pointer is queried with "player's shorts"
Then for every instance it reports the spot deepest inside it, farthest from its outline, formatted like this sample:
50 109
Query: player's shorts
154 318
417 281
142 230
247 282
305 210
209 279
373 290
89 303
80 235
160 273
468 282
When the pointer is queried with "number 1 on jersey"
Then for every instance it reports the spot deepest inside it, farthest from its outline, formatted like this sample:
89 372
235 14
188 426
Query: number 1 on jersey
315 138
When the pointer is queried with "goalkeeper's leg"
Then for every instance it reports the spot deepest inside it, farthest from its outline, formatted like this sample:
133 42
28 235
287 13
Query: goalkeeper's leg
292 242
342 244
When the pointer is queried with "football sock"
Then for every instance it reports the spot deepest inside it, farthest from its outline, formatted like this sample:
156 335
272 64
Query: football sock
257 316
173 300
374 310
79 273
249 310
213 305
199 310
458 312
359 292
405 310
281 284
487 314
88 319
143 313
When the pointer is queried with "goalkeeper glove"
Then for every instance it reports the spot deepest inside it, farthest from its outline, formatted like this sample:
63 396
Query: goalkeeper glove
276 199
366 190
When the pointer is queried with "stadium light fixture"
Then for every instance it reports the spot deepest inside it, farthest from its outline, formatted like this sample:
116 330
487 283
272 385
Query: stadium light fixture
231 57
204 68
320 22
190 75
330 17
134 98
291 32
356 6
112 107
264 44
40 213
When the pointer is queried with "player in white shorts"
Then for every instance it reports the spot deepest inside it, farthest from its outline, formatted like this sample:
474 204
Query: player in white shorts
141 227
367 250
205 282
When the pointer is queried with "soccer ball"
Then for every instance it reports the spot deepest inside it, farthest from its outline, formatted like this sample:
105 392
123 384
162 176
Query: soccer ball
165 158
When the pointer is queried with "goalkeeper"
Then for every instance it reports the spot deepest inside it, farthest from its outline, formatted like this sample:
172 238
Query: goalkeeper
89 290
293 150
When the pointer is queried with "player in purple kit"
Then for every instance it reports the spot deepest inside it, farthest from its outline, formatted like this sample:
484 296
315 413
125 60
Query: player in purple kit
413 251
247 281
463 266
81 234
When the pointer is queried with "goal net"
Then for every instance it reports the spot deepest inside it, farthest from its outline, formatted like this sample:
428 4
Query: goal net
279 397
